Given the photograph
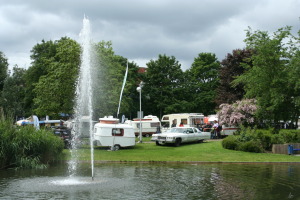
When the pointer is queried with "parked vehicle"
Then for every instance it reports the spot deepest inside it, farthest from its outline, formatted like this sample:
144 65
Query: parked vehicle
178 135
187 119
42 123
150 125
64 133
228 130
109 132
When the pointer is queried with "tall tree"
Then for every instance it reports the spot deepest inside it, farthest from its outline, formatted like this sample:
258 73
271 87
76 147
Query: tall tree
3 69
231 67
108 71
268 79
14 92
55 91
205 81
162 87
42 55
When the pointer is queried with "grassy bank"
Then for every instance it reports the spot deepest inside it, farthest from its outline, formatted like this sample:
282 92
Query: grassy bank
211 151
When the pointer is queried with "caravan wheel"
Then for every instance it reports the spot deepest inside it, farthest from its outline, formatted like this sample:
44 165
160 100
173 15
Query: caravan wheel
116 147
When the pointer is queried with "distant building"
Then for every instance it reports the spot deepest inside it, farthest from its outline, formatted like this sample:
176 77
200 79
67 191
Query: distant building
142 70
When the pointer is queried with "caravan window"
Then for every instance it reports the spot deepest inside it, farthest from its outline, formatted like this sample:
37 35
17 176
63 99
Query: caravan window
117 132
165 118
154 124
184 121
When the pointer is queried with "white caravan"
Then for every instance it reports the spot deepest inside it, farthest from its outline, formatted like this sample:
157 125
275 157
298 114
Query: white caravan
109 132
150 125
187 119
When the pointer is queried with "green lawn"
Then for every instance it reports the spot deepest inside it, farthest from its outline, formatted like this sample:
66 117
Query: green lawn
211 151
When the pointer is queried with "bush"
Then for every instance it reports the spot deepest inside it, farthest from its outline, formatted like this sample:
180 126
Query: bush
230 142
265 138
251 146
277 139
290 136
26 147
253 140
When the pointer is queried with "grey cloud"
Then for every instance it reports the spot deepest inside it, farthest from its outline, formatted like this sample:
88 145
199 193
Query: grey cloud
143 29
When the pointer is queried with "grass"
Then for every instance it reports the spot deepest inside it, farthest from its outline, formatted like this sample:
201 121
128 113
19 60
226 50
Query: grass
211 151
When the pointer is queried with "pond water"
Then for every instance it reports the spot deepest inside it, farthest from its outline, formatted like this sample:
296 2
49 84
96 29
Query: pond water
155 181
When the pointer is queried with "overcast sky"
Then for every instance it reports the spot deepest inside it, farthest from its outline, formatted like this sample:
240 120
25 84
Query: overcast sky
140 30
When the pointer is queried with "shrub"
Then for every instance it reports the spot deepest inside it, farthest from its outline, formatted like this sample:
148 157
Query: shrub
230 142
251 146
265 138
290 136
258 140
26 147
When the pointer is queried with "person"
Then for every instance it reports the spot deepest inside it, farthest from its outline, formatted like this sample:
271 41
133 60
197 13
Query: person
215 129
181 124
173 124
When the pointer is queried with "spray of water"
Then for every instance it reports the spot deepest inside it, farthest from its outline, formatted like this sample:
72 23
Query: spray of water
83 111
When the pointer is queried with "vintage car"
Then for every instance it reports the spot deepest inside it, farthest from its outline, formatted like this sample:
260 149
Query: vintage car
178 135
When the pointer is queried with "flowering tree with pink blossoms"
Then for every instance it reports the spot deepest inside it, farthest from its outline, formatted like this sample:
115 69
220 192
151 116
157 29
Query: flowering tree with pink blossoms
240 112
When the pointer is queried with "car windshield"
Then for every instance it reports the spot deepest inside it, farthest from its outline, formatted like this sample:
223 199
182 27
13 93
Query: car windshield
181 130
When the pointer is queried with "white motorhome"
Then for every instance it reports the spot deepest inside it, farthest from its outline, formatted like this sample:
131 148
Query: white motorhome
150 125
187 119
109 132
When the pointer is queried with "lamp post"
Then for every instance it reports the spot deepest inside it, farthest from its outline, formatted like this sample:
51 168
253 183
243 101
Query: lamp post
139 89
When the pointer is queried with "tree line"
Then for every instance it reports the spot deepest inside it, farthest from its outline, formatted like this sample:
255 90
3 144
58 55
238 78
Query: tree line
266 70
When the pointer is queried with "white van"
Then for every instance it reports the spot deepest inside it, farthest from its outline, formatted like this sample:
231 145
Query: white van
187 120
150 125
109 132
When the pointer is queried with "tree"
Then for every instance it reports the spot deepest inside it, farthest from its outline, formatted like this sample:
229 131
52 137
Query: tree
3 69
239 113
162 90
205 80
42 56
231 67
108 73
268 81
13 94
55 90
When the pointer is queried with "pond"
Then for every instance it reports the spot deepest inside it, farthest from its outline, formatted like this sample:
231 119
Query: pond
155 181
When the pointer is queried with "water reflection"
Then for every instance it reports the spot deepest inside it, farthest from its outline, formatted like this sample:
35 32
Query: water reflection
155 181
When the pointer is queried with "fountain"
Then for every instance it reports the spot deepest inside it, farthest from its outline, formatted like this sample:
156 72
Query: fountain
83 105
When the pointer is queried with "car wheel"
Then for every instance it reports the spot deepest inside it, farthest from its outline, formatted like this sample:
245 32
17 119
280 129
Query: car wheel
177 142
157 143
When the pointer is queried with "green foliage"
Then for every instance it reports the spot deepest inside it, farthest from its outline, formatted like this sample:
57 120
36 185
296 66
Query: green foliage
108 73
290 136
204 80
162 91
3 69
42 55
55 91
269 79
260 140
230 142
13 93
251 146
26 147
277 139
